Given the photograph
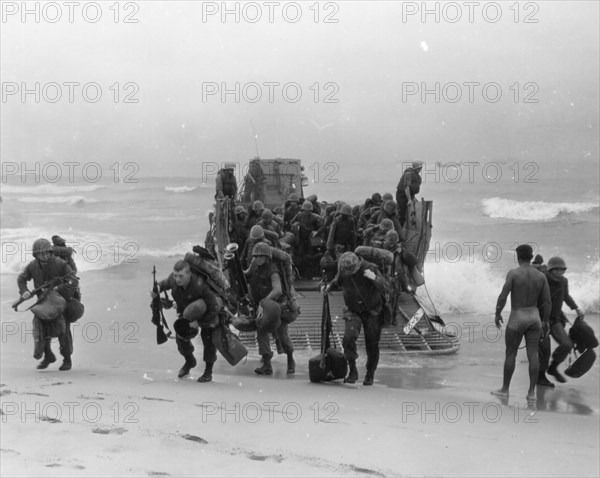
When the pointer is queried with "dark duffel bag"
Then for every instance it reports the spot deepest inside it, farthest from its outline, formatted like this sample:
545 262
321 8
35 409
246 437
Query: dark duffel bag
229 345
333 367
583 363
74 311
582 335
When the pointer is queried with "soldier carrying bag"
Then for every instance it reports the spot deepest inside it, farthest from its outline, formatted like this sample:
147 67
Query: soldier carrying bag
330 364
227 343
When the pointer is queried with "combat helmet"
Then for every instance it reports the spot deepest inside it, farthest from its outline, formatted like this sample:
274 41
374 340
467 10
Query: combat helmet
556 263
307 206
261 249
257 232
386 225
390 207
293 197
267 215
240 210
41 245
346 209
348 264
257 206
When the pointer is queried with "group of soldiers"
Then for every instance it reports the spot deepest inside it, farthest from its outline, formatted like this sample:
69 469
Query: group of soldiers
298 240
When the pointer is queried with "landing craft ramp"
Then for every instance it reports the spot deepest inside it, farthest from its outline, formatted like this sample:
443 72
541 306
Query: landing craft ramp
305 332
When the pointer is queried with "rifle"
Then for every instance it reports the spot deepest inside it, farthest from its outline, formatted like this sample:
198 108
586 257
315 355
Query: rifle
158 317
326 326
396 289
232 257
45 286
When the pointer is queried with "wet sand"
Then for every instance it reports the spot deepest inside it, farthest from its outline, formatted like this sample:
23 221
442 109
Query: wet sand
123 411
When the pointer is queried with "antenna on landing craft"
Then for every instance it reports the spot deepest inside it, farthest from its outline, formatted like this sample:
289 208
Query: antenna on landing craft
255 138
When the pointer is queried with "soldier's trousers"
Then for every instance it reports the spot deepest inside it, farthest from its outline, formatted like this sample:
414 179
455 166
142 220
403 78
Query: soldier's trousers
557 330
271 323
44 331
186 347
372 326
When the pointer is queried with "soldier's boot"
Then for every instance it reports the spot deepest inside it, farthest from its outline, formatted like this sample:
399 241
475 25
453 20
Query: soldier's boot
279 346
369 378
207 375
404 282
48 356
291 364
543 380
353 373
266 368
270 357
67 364
557 375
190 363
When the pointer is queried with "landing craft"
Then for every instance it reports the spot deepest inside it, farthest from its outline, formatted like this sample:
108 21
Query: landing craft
417 331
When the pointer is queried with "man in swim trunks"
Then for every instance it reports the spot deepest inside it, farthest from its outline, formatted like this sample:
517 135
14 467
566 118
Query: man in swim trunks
528 288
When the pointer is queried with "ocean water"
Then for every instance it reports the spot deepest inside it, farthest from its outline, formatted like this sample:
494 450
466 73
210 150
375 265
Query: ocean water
481 212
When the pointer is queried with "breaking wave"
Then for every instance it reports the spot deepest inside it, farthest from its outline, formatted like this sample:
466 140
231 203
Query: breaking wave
69 200
473 287
181 189
49 189
93 251
499 208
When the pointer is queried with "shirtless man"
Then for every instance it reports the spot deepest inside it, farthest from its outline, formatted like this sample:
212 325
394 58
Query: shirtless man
528 288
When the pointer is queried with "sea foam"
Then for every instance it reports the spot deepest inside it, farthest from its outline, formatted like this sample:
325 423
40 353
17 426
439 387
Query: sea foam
499 208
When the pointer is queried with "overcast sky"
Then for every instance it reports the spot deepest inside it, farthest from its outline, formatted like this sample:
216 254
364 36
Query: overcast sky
368 62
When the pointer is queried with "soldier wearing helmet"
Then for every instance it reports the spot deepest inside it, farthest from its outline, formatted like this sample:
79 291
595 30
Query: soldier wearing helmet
389 210
559 294
197 308
267 298
226 183
46 267
408 187
254 214
257 235
268 222
343 230
292 207
362 284
374 235
255 182
527 288
241 229
305 226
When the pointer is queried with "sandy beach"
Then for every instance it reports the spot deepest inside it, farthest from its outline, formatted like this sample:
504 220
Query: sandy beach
122 411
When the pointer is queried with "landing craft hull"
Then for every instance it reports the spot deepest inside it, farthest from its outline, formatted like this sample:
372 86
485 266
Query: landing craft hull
424 338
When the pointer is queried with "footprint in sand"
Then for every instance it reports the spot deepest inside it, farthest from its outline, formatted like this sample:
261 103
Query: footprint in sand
44 418
55 383
365 471
8 450
253 456
109 431
57 465
194 438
